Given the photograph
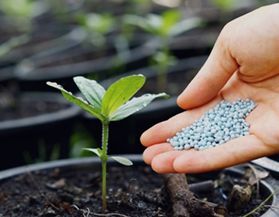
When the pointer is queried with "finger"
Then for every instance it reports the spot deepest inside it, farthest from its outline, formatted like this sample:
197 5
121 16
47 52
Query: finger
163 162
166 129
234 152
160 132
154 150
214 74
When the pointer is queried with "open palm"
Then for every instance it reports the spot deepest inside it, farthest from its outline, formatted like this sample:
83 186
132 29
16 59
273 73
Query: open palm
263 139
240 66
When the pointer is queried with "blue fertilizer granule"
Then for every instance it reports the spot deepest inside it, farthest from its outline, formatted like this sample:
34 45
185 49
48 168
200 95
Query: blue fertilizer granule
224 122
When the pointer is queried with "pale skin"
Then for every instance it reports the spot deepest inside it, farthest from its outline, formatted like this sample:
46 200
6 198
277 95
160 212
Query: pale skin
244 63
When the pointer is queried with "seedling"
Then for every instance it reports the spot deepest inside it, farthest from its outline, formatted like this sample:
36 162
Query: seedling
97 26
163 27
112 104
224 5
12 43
21 12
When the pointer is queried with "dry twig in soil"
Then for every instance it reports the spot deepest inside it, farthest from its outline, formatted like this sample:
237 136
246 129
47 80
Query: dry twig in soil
184 203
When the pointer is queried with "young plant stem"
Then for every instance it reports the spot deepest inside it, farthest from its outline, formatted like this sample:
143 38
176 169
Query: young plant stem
163 66
162 78
104 158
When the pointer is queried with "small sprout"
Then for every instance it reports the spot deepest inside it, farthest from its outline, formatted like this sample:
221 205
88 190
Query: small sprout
168 24
21 12
113 104
224 5
102 23
163 28
12 43
97 26
18 8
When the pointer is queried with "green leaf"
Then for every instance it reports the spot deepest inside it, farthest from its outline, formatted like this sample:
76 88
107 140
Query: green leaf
101 23
20 8
137 21
96 151
92 91
155 22
134 105
184 26
120 92
122 160
224 4
170 18
7 46
78 101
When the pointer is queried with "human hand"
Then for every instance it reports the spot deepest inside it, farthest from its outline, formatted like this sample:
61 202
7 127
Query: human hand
244 63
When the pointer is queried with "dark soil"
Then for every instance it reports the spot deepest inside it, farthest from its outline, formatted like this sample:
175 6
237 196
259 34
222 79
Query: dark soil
133 191
17 107
222 193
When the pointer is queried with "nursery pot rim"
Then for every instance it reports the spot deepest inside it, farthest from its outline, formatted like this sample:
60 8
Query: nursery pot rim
16 55
89 161
6 73
45 118
83 67
268 164
64 163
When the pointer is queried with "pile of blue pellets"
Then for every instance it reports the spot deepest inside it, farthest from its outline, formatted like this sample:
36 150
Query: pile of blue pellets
224 122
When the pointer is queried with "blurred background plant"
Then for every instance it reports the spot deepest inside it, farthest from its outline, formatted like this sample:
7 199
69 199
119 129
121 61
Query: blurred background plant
97 27
22 12
43 154
163 28
12 43
81 138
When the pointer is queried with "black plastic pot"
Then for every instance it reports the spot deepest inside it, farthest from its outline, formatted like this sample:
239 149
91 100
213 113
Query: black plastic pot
132 127
34 72
195 42
7 31
269 163
125 7
41 129
52 40
267 186
43 45
7 76
215 12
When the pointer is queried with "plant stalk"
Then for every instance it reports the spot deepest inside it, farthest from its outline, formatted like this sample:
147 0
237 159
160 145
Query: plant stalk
162 78
163 66
104 158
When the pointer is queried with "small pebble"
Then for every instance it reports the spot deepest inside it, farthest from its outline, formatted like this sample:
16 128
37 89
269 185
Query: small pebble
220 124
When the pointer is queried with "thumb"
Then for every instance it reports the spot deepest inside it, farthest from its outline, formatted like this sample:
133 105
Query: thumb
214 74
